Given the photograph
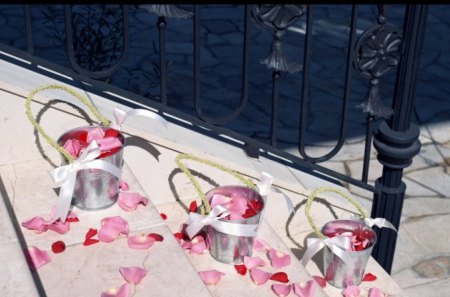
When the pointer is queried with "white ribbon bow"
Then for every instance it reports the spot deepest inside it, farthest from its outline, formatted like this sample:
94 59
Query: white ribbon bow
338 245
265 185
380 222
196 222
67 175
120 116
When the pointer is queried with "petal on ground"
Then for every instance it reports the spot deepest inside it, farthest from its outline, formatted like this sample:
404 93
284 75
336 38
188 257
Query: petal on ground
259 277
281 290
36 257
278 259
133 275
211 277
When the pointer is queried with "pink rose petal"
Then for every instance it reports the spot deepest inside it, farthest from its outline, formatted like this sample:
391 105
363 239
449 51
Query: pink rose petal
109 143
130 201
219 199
73 147
36 257
59 226
278 259
123 291
305 290
238 205
198 245
112 227
142 241
252 262
375 292
107 234
124 185
211 277
352 291
281 290
261 245
95 134
36 224
258 276
133 275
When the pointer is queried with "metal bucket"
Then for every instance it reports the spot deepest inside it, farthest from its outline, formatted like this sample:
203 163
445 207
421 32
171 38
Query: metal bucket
228 248
337 273
95 189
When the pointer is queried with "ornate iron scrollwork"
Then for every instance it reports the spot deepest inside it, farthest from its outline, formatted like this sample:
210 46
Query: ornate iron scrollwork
169 11
277 18
378 51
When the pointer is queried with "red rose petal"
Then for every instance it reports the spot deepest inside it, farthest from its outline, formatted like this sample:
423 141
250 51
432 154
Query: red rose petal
163 216
249 213
90 241
58 247
91 233
320 280
241 269
83 137
281 277
156 236
178 235
72 220
193 206
369 277
111 132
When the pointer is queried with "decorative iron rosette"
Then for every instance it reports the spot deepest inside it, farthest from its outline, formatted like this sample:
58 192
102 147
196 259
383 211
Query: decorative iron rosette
169 11
277 18
377 52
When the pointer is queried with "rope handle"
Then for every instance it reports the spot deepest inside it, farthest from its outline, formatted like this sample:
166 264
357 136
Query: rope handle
103 121
206 206
318 191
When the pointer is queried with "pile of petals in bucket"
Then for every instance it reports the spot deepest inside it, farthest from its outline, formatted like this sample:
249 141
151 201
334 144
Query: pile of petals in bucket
360 239
239 207
107 139
110 229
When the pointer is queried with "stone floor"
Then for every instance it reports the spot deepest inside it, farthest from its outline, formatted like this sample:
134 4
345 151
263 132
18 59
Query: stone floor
422 260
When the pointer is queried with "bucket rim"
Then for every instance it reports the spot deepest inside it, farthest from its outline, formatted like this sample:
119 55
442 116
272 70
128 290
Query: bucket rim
241 221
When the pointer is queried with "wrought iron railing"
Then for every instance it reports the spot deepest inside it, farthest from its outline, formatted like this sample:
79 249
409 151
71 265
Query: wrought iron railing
378 53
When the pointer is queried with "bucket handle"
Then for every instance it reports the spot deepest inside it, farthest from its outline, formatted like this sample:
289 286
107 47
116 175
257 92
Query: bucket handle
103 121
320 190
206 206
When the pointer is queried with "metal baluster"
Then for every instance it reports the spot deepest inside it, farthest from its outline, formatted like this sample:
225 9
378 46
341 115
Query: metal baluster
397 140
27 15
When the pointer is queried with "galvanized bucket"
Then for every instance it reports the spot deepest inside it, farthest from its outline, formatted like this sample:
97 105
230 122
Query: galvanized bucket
95 189
228 248
337 273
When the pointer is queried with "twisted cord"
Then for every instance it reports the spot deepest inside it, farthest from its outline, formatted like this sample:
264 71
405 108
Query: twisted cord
205 208
104 121
318 191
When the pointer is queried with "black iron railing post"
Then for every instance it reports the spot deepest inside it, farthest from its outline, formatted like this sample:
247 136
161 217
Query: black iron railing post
397 140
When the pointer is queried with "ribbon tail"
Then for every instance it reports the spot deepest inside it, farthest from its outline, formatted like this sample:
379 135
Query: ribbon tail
121 116
313 248
380 222
65 197
342 254
289 204
194 228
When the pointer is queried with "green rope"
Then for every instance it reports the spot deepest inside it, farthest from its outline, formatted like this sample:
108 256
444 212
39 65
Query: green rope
104 121
205 208
328 189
